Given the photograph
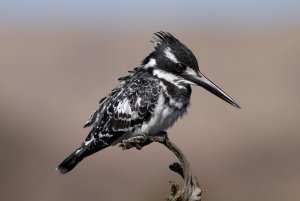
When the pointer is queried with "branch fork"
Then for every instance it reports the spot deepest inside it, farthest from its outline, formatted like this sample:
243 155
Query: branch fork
191 190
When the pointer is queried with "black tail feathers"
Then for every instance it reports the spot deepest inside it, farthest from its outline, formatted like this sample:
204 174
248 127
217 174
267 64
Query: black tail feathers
83 151
71 161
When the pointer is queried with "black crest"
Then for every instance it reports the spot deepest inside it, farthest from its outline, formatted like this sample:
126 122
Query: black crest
165 40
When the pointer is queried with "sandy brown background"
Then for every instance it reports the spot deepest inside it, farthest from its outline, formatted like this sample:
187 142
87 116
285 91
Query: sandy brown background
51 78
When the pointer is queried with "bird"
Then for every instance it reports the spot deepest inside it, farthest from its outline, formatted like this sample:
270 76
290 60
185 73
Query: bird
148 101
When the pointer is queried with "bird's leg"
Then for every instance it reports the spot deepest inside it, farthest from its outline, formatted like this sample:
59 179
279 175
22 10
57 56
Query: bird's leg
141 140
161 137
137 141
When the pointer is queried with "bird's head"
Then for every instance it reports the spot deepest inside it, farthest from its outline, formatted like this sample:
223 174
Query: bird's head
174 62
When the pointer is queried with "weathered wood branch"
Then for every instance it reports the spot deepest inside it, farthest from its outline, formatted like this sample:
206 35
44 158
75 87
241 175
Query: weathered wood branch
191 190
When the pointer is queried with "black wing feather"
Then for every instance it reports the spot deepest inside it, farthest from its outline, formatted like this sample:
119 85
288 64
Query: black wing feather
126 108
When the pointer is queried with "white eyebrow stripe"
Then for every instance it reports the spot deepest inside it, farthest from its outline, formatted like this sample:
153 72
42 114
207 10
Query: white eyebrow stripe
170 55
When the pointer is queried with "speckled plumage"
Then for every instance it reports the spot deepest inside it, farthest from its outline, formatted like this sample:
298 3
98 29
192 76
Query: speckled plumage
148 101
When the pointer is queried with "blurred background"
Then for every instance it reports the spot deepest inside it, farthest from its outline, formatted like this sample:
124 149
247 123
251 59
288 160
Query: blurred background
58 58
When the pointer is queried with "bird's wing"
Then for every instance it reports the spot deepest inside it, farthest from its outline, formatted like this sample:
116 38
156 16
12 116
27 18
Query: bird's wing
125 109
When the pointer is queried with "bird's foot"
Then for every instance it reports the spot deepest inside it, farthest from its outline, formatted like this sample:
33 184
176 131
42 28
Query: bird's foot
138 141
160 137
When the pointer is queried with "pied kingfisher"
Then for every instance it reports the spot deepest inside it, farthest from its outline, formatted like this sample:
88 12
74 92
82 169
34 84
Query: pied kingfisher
148 101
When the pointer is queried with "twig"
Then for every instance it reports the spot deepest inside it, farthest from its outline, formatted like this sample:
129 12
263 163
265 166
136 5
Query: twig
191 190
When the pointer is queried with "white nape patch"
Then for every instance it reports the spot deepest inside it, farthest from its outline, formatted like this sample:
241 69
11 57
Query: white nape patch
170 55
151 63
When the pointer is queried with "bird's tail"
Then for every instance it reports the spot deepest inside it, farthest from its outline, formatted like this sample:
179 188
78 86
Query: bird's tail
71 161
74 158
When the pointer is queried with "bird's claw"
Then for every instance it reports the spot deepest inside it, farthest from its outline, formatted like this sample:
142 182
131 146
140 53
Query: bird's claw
138 141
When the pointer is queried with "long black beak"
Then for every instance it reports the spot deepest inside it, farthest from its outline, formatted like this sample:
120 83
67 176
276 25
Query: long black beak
204 82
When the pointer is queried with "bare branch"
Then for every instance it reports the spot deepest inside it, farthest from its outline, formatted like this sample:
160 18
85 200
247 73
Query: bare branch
191 190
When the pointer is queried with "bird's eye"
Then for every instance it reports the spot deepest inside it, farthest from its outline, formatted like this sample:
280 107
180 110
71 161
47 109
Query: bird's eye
180 67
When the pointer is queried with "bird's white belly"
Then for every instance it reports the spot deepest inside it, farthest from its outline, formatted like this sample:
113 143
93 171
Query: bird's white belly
164 117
